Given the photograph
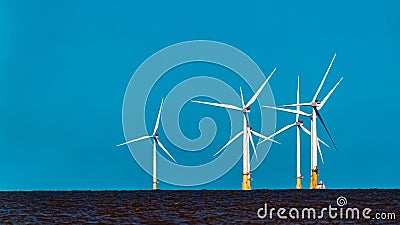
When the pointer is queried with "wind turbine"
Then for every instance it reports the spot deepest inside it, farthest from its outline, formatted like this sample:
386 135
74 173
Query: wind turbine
299 125
316 107
156 142
247 131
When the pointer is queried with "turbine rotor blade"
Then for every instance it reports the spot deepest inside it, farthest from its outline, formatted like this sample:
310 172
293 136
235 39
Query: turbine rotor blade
252 142
253 99
134 140
158 117
288 110
229 142
241 97
283 129
305 130
298 98
309 133
278 132
323 80
329 94
263 137
165 150
320 153
319 140
227 106
323 123
300 104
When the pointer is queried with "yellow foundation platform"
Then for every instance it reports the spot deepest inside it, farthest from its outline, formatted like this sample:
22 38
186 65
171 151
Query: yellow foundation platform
246 182
314 179
298 182
154 185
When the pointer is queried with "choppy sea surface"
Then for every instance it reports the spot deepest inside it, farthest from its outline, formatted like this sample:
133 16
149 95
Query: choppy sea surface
200 207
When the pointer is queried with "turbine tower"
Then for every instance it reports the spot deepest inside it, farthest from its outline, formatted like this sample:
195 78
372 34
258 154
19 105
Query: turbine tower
247 131
316 106
156 142
299 125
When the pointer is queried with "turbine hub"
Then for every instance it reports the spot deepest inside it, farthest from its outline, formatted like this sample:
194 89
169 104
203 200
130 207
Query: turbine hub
315 103
299 122
155 135
247 109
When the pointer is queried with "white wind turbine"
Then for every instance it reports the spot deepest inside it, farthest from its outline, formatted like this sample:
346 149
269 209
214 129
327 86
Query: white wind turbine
247 131
316 106
299 125
156 142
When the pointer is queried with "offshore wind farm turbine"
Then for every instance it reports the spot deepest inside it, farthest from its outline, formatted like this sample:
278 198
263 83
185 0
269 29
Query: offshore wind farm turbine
316 107
156 142
299 126
247 130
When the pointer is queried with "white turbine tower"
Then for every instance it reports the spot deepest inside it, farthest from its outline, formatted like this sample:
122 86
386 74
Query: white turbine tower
156 142
299 125
316 106
247 131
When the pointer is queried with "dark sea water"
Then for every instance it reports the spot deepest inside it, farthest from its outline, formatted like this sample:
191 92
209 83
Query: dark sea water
192 207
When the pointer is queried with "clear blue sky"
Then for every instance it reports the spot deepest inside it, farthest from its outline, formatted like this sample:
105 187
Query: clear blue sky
64 67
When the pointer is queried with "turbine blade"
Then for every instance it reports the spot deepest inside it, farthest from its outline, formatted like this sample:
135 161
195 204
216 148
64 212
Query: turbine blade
165 150
253 99
158 117
241 97
264 137
329 94
278 132
309 133
219 105
229 142
323 123
320 153
288 110
252 142
134 140
305 130
300 104
324 143
298 98
323 79
283 129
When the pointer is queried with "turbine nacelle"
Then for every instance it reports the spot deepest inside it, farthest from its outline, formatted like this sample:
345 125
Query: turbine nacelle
299 122
246 109
155 136
316 103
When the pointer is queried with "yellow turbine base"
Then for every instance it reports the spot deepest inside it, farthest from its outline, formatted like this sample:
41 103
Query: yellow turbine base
314 179
246 182
154 185
298 183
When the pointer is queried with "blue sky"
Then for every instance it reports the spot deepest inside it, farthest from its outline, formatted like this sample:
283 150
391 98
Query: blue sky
65 65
